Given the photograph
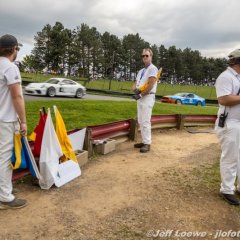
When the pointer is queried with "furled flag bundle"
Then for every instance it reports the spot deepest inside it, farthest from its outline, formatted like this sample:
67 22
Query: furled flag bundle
36 135
58 163
22 156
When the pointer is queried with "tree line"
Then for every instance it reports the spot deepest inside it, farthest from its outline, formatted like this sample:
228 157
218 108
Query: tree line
87 53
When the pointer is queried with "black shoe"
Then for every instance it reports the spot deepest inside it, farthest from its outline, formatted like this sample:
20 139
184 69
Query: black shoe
15 204
230 198
145 148
138 145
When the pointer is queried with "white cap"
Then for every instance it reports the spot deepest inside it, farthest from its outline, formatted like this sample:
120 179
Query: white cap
234 54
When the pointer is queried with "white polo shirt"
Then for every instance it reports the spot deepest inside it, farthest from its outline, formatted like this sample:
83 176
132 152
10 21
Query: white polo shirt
228 83
9 74
144 74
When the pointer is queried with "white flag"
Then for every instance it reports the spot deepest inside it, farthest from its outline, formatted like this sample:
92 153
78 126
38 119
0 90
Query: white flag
67 171
77 139
50 153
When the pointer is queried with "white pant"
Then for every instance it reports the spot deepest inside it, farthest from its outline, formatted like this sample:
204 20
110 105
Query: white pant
229 137
7 131
144 110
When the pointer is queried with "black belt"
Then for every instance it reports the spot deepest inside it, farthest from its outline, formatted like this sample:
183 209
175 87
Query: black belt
151 93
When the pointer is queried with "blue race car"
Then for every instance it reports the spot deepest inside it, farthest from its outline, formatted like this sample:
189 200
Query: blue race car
184 98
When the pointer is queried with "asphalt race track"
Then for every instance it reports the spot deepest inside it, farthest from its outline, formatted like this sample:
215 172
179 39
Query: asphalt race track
86 97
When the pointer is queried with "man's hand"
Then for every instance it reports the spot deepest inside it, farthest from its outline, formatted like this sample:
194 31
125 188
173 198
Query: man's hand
136 96
23 129
134 87
137 91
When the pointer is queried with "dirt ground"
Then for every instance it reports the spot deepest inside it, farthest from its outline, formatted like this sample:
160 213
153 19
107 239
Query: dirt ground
129 195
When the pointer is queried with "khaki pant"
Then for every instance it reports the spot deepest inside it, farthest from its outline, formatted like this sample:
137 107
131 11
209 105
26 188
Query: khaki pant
7 131
144 109
229 137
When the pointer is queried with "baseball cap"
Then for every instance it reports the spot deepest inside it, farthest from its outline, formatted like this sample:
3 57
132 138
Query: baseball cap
234 54
8 41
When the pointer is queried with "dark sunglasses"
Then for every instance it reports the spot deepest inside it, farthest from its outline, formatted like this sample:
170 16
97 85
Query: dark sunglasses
145 56
17 48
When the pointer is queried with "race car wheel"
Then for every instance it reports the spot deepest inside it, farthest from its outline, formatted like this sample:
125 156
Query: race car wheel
79 93
199 103
178 101
51 92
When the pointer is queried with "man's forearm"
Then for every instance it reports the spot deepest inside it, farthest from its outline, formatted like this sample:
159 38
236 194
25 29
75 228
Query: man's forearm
148 89
18 101
229 100
19 106
134 86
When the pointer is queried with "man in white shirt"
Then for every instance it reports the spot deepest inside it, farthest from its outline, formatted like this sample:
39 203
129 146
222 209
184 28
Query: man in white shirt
145 99
228 127
11 108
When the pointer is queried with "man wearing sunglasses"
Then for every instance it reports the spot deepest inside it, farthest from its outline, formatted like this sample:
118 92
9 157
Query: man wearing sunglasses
11 108
145 99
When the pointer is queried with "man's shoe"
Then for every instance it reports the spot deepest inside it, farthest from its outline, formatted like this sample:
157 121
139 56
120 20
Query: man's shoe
14 204
145 148
230 198
138 145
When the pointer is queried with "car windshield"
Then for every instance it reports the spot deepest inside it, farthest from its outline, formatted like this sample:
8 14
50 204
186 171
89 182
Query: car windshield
53 81
180 94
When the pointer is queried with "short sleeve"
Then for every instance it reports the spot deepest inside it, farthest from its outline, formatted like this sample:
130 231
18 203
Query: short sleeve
224 85
152 72
12 75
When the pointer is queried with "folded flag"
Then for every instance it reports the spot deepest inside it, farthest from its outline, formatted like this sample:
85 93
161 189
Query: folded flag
43 116
51 171
50 153
22 157
77 139
67 171
18 157
37 134
63 138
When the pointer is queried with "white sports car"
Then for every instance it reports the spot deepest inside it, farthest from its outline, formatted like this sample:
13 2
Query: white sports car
56 87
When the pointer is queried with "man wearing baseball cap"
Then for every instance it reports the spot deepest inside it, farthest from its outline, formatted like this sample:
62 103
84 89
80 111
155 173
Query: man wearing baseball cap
12 107
228 128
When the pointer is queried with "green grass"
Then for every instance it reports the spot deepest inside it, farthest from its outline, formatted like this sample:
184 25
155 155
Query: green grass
207 92
201 178
209 175
77 114
162 89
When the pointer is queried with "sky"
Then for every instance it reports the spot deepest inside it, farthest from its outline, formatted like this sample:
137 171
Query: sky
210 26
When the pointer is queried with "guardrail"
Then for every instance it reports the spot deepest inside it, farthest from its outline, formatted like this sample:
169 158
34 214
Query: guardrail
190 120
129 129
110 129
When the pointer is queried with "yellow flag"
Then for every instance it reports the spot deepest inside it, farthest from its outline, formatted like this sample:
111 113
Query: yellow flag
63 138
32 136
17 156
